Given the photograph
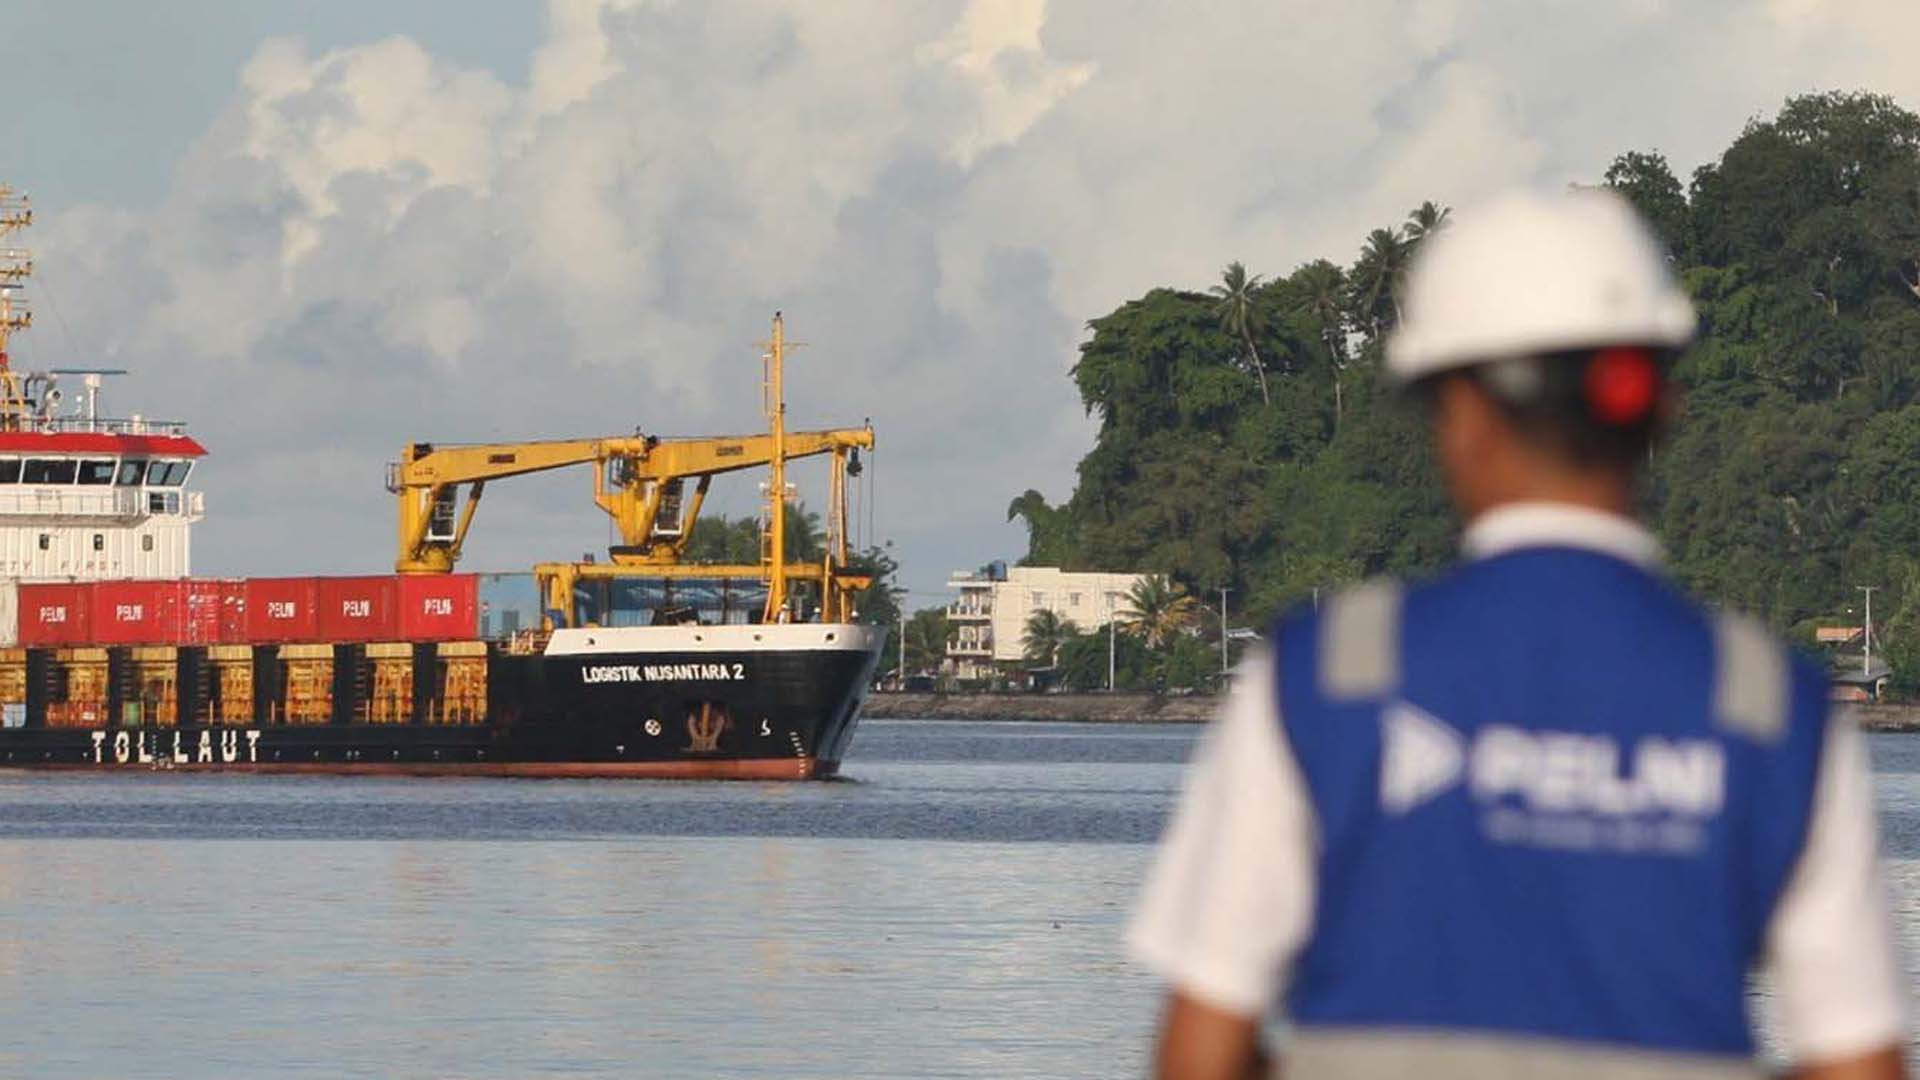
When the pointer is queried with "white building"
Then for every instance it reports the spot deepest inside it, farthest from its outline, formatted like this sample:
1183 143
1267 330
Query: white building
990 610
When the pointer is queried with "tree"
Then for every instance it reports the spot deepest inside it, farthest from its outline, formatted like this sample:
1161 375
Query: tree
1647 181
1425 220
1374 282
879 603
1158 609
1322 289
926 639
1238 312
718 539
1083 662
1045 633
1050 540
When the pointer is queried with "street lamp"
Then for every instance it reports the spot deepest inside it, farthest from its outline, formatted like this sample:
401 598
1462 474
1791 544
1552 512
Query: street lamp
1866 634
1223 629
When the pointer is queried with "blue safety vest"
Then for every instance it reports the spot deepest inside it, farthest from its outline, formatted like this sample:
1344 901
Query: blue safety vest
1557 804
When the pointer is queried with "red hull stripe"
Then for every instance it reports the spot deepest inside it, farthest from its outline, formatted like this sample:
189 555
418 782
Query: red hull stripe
95 442
803 768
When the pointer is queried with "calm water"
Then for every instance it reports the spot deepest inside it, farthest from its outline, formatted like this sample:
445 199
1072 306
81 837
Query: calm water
952 910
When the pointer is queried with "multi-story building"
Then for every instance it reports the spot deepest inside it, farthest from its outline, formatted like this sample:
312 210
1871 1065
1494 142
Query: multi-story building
990 609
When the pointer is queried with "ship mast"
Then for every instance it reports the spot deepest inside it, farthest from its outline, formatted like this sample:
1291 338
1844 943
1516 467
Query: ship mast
16 265
773 548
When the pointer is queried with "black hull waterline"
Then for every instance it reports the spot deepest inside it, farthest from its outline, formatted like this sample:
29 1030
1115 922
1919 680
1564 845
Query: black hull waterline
708 713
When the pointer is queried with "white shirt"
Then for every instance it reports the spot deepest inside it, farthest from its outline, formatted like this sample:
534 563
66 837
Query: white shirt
1230 898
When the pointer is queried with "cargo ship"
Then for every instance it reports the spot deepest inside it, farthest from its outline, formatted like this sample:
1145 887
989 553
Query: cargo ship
114 656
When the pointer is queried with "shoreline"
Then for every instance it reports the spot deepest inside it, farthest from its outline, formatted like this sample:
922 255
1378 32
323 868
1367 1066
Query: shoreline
1120 707
1140 707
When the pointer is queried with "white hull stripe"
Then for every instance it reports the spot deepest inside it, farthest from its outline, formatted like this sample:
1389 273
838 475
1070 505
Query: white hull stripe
793 637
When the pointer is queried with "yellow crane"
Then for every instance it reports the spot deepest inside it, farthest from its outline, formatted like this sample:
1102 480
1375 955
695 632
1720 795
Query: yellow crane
641 482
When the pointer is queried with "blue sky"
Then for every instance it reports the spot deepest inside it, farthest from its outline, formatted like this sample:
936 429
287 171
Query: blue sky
154 74
318 231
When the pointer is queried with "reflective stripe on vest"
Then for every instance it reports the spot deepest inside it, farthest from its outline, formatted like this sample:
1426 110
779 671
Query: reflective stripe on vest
1360 642
1373 1053
1751 682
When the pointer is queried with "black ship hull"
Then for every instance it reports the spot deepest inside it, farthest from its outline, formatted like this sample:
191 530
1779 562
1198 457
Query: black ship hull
777 702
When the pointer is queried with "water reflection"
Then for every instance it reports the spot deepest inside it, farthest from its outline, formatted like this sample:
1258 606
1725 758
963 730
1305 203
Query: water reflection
955 912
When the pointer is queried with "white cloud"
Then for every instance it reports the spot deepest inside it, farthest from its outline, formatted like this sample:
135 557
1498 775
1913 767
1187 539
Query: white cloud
376 244
995 47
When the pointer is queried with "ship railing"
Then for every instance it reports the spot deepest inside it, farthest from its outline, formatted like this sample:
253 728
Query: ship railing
103 425
117 502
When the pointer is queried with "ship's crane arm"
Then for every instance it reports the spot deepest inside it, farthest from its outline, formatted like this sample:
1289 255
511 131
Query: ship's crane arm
645 495
638 480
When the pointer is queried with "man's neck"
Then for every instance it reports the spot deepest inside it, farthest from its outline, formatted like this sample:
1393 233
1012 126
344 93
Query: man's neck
1605 492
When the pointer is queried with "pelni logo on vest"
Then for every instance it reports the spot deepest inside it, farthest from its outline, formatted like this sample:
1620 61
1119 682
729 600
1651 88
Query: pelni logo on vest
1555 789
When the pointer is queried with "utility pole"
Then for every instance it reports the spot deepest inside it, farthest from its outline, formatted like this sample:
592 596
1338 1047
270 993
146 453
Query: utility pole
1866 633
1223 630
902 673
1111 641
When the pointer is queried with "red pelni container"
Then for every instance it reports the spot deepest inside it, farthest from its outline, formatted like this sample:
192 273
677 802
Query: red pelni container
359 608
282 610
139 612
199 612
55 613
439 607
233 612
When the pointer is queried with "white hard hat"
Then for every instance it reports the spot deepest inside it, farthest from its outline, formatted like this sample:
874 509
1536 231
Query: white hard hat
1533 273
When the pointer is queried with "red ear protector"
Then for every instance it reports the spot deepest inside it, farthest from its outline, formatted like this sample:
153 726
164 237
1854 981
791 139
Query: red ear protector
1622 385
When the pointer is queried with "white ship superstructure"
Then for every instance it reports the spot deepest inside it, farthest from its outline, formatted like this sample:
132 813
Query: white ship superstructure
82 496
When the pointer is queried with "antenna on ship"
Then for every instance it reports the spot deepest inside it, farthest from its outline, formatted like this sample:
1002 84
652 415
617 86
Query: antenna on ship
16 266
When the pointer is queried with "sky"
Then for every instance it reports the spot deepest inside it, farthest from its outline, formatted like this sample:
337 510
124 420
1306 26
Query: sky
319 232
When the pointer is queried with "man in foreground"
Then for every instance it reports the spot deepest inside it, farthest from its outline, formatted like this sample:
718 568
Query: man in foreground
1541 816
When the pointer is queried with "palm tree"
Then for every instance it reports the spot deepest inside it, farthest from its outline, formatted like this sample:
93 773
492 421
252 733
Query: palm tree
1157 609
1322 295
1375 280
1046 632
1240 316
1425 220
926 639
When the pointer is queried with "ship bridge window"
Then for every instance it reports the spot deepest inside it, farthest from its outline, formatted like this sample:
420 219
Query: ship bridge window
96 471
9 470
130 472
167 473
49 471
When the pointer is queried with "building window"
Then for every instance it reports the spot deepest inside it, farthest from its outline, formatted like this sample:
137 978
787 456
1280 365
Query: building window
46 542
146 542
1039 599
99 542
1073 599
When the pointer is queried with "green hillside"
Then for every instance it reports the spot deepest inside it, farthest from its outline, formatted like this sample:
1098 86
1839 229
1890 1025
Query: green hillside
1245 440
